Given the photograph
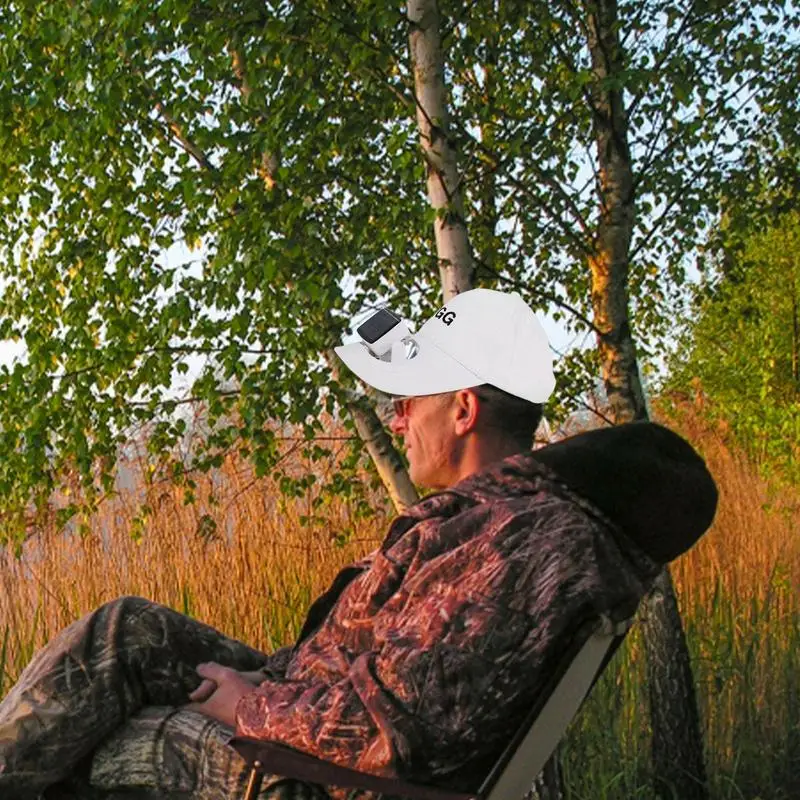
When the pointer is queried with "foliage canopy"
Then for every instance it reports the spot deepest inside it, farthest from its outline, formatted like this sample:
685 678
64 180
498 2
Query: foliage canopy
234 180
741 351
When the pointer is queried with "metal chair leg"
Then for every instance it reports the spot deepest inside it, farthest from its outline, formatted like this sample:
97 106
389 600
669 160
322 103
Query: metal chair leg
254 781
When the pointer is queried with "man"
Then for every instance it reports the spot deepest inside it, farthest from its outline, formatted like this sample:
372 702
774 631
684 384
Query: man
418 662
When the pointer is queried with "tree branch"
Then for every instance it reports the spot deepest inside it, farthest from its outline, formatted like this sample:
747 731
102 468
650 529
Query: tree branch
669 48
188 349
177 133
697 171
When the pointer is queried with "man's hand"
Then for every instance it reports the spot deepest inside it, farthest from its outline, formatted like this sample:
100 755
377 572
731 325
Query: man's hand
220 691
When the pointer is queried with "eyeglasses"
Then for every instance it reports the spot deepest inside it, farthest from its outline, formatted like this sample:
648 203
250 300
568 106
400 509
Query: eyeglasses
391 406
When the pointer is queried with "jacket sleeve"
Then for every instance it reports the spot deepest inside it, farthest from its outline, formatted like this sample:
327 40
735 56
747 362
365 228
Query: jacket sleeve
460 645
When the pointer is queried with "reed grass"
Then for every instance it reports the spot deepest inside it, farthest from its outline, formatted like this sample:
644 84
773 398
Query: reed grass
249 562
739 594
242 558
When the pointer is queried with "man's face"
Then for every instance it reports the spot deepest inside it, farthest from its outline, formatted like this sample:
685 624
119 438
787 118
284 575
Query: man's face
426 426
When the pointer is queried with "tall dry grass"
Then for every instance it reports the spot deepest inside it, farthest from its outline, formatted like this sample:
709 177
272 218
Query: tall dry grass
242 558
245 560
739 592
739 595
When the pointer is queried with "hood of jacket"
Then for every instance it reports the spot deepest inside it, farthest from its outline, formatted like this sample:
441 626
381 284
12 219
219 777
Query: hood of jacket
644 478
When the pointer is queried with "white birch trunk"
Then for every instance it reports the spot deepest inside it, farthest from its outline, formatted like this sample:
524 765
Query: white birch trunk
384 455
456 266
387 460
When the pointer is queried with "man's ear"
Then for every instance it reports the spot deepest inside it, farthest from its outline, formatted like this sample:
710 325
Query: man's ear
466 407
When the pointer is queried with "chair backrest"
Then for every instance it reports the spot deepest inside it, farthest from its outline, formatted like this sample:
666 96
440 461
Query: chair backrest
560 699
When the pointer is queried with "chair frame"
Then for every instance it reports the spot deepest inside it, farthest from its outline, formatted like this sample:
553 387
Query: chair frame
512 775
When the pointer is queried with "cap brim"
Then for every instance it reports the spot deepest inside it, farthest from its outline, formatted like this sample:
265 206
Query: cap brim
430 371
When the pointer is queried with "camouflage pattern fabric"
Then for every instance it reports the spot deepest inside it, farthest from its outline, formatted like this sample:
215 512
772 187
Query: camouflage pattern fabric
419 662
114 679
423 663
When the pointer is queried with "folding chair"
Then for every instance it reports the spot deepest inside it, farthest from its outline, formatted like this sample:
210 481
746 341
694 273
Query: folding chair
513 774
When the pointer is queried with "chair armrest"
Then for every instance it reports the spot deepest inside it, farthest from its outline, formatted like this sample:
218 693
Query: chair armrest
278 759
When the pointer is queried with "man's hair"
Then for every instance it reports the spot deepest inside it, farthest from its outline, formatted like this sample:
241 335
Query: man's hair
514 416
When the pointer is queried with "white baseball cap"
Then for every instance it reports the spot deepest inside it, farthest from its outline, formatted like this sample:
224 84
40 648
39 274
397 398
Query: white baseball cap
480 336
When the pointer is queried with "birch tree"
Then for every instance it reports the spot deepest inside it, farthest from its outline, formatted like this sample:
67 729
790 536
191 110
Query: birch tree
444 184
183 189
230 183
444 188
677 745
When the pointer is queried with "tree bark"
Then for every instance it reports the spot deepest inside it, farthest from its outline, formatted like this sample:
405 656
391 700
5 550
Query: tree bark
608 261
677 745
387 460
452 245
484 234
456 267
549 784
391 469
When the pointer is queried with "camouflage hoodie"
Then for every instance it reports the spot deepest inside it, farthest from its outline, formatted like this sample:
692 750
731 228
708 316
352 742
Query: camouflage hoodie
421 661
